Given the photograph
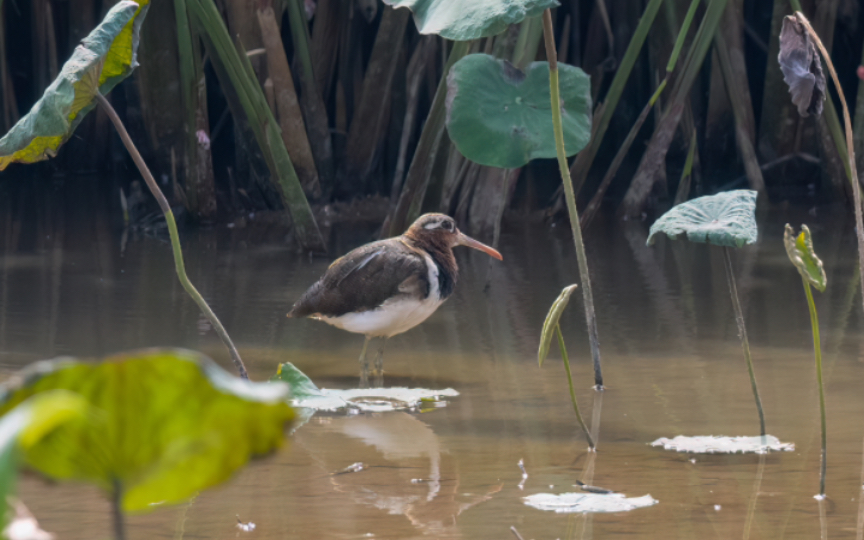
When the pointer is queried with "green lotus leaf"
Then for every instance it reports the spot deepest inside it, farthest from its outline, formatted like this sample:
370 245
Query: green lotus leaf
800 251
301 385
551 322
501 117
103 59
725 219
168 423
26 425
461 20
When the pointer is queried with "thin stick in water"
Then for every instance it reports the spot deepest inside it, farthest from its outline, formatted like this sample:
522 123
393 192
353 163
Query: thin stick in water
179 265
572 390
570 197
742 333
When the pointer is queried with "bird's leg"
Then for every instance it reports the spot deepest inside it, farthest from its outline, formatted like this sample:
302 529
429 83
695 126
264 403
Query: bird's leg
364 364
379 364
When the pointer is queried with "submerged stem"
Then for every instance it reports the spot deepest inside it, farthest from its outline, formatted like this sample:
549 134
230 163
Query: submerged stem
817 349
179 265
117 511
742 333
572 390
570 197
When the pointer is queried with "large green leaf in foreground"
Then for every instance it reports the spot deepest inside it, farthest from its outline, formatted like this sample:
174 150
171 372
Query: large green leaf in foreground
103 59
463 20
168 423
800 251
26 425
501 117
725 219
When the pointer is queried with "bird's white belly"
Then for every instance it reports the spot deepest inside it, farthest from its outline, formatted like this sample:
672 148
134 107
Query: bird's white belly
393 317
396 315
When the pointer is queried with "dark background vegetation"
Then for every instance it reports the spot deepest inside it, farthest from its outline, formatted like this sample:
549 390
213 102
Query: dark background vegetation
376 99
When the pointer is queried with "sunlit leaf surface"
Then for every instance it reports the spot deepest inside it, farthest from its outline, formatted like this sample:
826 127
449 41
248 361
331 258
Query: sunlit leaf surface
725 219
167 423
461 20
306 395
501 117
710 444
800 251
103 59
587 503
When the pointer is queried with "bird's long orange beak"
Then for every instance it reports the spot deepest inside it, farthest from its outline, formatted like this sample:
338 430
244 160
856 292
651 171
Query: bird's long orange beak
465 240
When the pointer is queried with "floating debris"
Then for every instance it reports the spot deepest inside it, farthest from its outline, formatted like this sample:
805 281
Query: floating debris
587 503
23 525
245 527
717 507
521 464
592 489
710 444
307 395
354 467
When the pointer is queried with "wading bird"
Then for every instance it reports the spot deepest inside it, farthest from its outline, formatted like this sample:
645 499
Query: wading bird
387 287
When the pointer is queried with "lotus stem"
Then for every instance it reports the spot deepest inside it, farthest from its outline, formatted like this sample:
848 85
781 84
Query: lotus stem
563 348
850 149
570 198
817 349
742 333
117 508
179 265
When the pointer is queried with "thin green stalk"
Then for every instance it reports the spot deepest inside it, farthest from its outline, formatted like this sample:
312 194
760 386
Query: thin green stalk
583 161
850 148
682 36
742 333
817 349
179 265
189 93
570 198
572 391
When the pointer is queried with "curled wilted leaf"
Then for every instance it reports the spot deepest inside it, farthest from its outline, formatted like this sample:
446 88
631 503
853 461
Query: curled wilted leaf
103 59
551 322
802 69
800 251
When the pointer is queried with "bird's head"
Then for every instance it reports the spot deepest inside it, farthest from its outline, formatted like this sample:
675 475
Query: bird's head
440 230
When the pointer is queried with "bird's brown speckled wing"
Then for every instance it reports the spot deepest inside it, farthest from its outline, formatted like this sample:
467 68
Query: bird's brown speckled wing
364 279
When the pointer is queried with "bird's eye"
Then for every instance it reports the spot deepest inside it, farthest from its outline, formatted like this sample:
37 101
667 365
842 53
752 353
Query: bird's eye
447 225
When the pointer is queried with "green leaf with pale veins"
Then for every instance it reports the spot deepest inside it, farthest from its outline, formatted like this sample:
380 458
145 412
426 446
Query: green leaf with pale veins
800 251
726 219
166 423
103 59
551 322
501 117
464 20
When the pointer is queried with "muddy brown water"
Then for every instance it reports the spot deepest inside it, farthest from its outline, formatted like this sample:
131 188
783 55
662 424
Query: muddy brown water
69 285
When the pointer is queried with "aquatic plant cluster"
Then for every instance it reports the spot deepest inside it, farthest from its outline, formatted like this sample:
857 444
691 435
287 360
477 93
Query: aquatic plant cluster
155 427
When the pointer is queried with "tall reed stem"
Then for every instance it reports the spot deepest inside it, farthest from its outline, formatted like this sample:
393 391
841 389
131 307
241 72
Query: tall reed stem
179 265
570 198
850 146
563 348
817 349
742 333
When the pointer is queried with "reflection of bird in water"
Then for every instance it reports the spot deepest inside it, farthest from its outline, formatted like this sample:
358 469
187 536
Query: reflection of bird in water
387 287
407 473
